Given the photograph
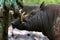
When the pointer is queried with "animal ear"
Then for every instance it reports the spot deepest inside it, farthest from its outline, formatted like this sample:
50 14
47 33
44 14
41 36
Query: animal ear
42 6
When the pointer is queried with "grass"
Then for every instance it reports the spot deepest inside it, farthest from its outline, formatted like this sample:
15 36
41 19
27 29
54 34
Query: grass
40 1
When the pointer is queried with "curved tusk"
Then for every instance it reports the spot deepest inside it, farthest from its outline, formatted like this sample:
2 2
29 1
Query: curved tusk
22 16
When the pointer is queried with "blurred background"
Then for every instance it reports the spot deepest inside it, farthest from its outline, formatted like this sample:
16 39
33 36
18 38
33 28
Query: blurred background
39 1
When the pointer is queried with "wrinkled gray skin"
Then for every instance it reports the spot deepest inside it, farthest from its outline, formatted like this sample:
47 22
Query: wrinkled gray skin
43 20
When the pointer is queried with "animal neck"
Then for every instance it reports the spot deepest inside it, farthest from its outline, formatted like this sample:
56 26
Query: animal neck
51 16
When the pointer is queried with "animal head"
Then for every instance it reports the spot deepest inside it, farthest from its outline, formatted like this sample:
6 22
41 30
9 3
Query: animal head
35 16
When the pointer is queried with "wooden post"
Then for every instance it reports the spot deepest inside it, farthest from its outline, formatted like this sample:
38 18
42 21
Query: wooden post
5 27
6 22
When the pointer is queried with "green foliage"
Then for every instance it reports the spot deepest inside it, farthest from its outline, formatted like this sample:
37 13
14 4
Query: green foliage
40 1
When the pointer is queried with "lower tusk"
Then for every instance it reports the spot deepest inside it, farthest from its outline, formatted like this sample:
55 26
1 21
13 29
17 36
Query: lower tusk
22 16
